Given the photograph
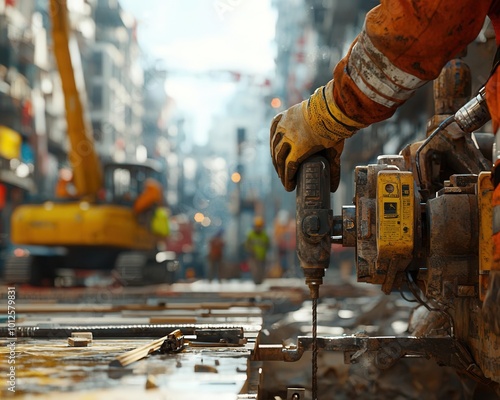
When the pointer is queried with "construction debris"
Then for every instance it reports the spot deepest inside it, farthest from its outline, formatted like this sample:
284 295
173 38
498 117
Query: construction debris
173 339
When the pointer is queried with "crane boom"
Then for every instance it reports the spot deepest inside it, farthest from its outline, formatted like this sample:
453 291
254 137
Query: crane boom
82 155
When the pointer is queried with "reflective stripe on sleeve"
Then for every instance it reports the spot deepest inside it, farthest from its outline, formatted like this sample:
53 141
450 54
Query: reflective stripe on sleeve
376 77
496 219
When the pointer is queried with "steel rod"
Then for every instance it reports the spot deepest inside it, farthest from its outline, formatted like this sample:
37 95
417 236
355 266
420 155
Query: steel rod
111 331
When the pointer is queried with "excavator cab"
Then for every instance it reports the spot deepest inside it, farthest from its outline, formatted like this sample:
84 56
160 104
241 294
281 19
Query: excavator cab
125 182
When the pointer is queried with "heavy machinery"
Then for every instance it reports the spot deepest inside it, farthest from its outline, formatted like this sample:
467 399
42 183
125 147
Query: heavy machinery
99 225
421 224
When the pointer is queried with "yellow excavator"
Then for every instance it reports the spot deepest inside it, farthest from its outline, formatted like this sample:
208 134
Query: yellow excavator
105 221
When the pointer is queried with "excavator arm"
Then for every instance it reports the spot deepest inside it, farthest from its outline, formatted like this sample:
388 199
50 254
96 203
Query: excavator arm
87 172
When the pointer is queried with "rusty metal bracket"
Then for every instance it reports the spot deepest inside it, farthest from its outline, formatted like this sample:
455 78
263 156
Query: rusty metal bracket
445 351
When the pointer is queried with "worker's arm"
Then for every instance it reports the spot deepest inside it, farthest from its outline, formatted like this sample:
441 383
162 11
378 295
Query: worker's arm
403 44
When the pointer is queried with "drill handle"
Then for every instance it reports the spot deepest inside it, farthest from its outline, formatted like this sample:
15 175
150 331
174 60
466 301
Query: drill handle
314 216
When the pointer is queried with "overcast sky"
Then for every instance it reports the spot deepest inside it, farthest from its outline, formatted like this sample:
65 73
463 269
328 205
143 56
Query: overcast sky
207 34
200 35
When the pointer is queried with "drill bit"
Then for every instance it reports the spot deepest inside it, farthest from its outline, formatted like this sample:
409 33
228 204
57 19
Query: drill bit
315 349
314 292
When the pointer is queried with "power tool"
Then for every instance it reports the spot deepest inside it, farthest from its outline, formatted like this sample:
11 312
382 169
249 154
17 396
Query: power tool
314 219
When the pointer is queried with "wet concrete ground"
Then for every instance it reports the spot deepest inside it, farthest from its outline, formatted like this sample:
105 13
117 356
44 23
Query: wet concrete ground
279 309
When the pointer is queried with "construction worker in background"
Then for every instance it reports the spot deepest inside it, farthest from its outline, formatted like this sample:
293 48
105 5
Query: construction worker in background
403 45
285 241
215 254
65 187
160 221
149 208
151 196
257 244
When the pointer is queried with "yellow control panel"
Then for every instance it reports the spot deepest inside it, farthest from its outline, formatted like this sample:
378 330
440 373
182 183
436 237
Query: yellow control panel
395 213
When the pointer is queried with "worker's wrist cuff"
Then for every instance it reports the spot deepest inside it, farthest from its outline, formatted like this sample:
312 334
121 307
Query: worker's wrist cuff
335 110
325 117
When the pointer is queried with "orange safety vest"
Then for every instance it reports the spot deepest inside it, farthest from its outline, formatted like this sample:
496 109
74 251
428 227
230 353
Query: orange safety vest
150 196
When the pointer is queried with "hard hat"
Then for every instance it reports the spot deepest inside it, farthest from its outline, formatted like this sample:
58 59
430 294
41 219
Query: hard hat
258 222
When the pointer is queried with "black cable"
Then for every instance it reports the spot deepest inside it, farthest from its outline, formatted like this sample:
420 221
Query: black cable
442 125
406 298
413 289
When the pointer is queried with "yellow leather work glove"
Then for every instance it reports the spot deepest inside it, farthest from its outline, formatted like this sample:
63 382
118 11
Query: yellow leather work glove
315 125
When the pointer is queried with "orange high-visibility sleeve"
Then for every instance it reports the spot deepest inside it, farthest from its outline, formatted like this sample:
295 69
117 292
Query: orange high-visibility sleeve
493 84
494 15
493 99
403 45
495 203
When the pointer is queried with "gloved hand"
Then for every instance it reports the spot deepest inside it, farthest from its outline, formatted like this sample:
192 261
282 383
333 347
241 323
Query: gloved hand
315 125
491 303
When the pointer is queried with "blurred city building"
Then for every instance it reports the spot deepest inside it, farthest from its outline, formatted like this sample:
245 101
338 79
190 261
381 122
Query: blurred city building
115 76
224 182
240 136
21 68
33 140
